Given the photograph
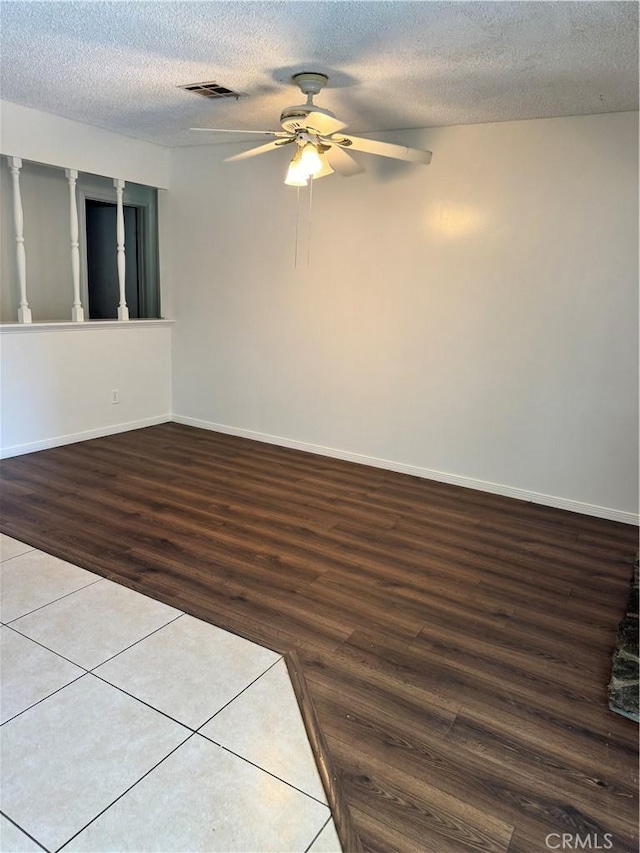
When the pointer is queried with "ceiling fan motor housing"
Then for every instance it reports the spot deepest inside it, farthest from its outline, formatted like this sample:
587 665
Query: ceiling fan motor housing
294 118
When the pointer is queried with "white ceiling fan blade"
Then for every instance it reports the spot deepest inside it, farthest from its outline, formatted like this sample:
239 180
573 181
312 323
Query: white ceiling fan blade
384 149
323 124
261 149
227 130
343 163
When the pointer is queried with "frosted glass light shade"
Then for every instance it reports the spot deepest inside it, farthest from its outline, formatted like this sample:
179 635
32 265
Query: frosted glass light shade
310 160
296 174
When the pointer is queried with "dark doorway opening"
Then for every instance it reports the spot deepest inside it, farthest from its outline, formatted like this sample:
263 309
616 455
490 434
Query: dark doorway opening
102 268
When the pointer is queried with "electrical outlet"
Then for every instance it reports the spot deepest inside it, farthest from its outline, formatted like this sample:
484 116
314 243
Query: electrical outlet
115 396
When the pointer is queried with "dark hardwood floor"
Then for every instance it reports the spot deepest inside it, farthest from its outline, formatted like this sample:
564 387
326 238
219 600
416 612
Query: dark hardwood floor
456 645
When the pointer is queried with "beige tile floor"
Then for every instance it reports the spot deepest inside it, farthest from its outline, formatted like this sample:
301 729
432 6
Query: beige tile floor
128 725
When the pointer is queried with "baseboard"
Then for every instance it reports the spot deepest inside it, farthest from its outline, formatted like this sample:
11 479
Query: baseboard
72 438
426 473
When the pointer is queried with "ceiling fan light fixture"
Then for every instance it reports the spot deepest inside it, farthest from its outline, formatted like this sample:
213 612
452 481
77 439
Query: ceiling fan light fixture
310 160
296 174
327 169
305 165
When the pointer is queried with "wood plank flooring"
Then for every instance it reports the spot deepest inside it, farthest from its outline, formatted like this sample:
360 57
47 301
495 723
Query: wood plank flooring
456 645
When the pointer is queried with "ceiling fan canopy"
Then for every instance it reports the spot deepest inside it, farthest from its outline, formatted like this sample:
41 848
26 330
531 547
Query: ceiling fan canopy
321 146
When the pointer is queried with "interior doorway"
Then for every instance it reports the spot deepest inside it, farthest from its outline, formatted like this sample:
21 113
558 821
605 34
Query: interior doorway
102 267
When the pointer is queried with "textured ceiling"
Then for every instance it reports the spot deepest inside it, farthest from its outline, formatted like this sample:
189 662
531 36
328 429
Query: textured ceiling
391 65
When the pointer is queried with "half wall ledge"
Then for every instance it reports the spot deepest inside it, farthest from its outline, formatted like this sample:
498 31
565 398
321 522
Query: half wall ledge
65 326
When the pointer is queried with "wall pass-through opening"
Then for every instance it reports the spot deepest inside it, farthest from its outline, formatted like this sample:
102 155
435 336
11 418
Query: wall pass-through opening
102 269
99 249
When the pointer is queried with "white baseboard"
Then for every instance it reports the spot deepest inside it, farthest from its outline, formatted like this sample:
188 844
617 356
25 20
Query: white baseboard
361 459
415 471
59 440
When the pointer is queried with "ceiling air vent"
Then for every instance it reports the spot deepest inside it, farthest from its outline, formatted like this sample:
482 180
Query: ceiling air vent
212 90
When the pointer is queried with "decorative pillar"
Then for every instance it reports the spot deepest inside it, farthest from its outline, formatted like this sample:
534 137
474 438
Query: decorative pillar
123 311
77 311
24 312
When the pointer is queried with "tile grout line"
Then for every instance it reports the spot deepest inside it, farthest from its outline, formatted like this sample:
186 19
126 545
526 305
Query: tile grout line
120 796
268 772
44 698
90 672
121 689
17 825
54 600
206 737
135 643
75 663
2 562
153 707
191 733
318 834
210 739
131 695
226 705
142 702
191 730
42 646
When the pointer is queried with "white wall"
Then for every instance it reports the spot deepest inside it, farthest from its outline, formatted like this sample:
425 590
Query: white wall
474 320
46 138
57 382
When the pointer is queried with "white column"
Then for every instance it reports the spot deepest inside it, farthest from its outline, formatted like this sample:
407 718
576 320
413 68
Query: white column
24 312
123 311
77 311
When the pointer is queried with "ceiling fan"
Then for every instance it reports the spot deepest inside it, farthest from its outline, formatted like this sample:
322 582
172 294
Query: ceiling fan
321 147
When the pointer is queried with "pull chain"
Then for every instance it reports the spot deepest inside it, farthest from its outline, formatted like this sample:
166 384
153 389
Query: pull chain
295 256
309 230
